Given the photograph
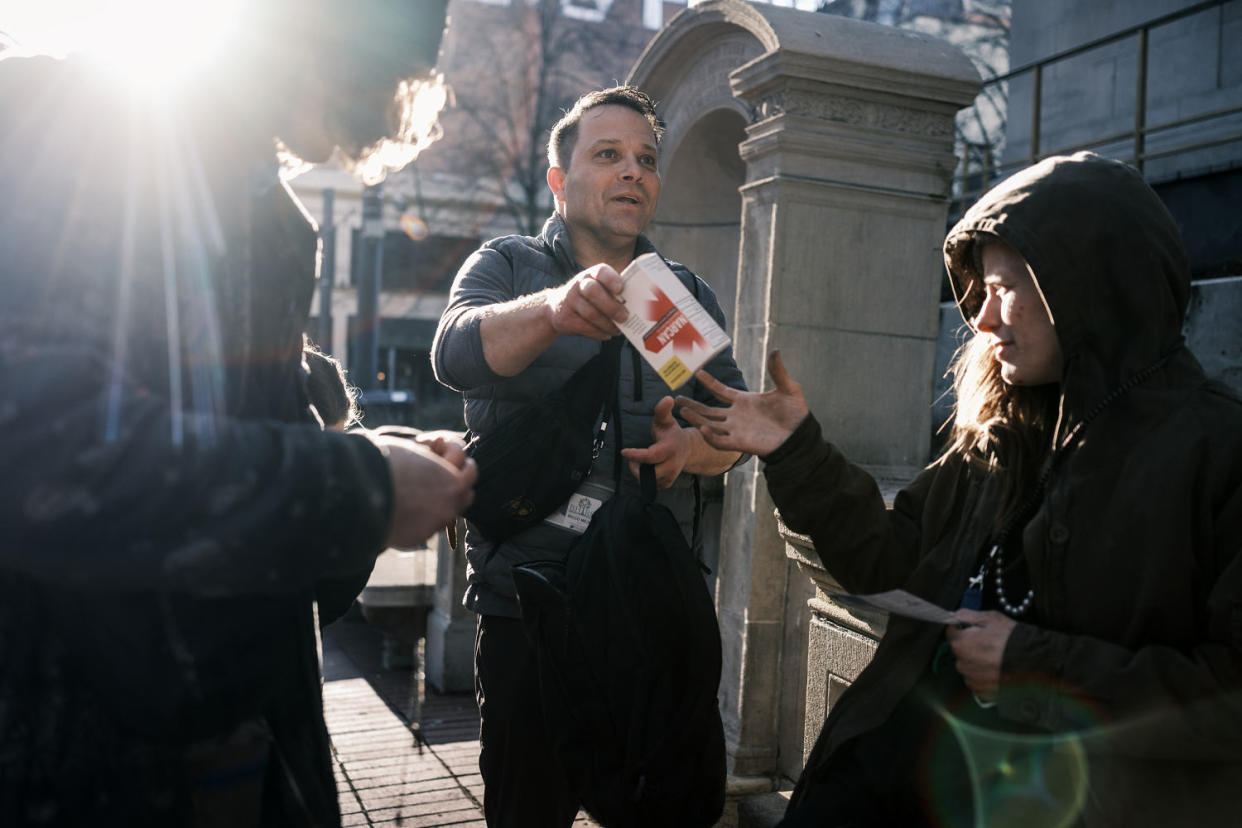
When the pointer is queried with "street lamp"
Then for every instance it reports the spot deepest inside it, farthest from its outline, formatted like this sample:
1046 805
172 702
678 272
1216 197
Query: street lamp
370 276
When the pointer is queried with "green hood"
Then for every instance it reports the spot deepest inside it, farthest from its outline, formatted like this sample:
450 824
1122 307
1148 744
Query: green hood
1106 255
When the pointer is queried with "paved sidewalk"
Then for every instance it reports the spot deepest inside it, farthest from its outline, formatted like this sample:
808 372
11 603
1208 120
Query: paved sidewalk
384 777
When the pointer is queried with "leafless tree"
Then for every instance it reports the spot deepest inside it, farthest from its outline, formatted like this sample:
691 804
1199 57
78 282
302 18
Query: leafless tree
981 128
525 68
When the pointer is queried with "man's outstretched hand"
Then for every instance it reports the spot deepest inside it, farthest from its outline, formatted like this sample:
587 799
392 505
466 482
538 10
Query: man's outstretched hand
670 447
514 333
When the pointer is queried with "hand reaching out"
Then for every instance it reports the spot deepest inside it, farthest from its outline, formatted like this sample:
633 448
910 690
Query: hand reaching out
752 421
443 443
433 482
514 333
446 444
669 450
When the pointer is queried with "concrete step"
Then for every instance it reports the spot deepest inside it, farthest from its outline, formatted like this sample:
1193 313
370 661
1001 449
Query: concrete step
762 810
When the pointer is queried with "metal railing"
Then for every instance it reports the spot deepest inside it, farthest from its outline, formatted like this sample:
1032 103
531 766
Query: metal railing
969 183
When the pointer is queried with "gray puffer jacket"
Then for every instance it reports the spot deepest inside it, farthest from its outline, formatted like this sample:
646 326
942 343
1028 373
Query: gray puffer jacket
504 269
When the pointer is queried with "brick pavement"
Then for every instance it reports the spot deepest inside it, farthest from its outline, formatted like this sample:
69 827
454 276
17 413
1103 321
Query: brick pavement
384 777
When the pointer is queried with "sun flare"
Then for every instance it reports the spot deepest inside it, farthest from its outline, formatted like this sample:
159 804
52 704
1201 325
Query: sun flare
152 44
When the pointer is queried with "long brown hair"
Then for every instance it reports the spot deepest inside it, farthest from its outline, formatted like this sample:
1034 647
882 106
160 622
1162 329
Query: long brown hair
1004 430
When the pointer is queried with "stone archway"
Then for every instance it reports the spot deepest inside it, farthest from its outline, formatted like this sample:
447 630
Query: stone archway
699 224
700 215
699 220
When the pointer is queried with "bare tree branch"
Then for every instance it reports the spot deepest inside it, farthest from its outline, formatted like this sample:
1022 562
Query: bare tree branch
527 72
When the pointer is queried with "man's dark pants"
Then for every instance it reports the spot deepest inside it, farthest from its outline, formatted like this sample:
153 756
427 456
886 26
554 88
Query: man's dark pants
523 785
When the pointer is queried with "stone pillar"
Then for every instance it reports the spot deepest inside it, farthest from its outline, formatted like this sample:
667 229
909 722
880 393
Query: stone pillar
848 154
840 641
848 157
686 69
450 626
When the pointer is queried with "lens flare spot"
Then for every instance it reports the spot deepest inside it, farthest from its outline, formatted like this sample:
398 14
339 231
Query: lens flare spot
1015 780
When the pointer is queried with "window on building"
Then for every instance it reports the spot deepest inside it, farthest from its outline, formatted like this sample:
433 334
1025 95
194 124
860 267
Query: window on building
426 266
592 11
434 406
405 390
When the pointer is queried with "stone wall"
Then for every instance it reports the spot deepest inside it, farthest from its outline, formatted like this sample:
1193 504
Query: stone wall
1192 69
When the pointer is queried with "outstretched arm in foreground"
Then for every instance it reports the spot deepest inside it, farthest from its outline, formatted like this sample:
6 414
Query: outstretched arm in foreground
433 482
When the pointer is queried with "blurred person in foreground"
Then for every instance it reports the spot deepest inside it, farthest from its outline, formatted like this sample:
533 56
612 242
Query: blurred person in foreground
169 502
1088 507
524 313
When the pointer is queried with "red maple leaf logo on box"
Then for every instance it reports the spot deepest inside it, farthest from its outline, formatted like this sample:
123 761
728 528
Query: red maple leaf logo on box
671 326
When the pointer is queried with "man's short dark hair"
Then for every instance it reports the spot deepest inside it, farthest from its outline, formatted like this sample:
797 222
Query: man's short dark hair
565 133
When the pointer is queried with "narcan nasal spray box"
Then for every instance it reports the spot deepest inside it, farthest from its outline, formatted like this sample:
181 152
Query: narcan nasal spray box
667 325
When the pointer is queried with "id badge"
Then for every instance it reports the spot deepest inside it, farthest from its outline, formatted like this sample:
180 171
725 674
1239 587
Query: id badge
575 514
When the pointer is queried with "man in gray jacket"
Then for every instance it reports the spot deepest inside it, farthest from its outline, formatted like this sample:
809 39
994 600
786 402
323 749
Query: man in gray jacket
524 313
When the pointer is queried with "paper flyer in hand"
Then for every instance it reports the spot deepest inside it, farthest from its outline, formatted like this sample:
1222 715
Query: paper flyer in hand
900 602
667 325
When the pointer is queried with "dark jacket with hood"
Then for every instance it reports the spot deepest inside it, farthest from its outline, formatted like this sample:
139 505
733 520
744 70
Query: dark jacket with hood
169 505
513 266
1133 554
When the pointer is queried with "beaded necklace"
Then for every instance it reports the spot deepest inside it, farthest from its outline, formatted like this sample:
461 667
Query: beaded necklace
995 559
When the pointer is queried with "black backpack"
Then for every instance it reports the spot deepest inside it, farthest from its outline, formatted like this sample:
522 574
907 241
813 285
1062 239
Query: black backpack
628 651
533 460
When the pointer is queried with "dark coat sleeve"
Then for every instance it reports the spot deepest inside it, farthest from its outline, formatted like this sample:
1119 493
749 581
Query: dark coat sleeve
864 545
102 489
336 595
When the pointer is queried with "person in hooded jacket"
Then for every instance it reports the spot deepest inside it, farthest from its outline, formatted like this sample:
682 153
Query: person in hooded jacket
170 506
1084 520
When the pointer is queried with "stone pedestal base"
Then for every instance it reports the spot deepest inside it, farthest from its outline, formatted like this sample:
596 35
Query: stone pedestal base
450 653
450 627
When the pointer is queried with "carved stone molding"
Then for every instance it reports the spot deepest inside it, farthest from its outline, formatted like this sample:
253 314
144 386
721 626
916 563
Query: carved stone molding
854 112
800 550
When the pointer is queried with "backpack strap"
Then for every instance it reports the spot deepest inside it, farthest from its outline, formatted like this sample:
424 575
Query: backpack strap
647 478
610 349
696 534
610 358
615 412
